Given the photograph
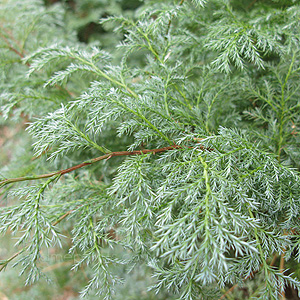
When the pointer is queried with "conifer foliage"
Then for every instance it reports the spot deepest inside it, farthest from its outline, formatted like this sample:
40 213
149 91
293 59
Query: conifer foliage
179 146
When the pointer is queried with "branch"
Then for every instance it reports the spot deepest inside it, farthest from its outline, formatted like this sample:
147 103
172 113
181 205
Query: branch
89 162
21 55
4 263
248 277
169 23
251 4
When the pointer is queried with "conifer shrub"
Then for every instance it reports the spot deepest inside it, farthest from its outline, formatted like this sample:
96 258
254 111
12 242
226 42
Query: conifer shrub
175 145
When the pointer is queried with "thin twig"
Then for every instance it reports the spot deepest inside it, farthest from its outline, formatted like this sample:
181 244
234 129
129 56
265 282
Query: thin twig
89 162
22 55
62 217
249 276
281 269
56 266
10 35
228 291
7 261
251 4
170 21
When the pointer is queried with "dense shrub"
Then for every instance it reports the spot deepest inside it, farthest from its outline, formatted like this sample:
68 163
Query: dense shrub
178 148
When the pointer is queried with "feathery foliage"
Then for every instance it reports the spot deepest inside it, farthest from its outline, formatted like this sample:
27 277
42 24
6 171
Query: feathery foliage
180 146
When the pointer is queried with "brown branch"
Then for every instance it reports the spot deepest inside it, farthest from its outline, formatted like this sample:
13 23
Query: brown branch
170 22
251 4
281 269
57 265
228 291
12 48
65 171
22 55
10 35
71 169
71 94
61 218
7 261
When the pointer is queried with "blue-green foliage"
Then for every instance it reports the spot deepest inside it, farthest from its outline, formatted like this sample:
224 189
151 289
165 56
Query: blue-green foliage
218 79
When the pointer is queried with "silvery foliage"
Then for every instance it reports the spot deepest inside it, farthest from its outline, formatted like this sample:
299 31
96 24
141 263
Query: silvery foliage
220 82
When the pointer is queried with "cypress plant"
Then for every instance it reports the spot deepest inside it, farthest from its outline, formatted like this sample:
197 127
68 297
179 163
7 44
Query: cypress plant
174 145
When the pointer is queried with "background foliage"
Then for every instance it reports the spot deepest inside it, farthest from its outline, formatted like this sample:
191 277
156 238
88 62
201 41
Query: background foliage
211 87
